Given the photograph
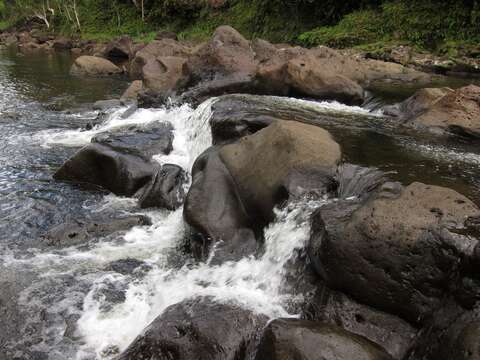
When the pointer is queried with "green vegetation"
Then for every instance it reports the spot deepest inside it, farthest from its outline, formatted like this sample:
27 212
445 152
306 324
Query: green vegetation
432 25
441 25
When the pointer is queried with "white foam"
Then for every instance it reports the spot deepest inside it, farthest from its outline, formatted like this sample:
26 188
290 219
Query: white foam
255 284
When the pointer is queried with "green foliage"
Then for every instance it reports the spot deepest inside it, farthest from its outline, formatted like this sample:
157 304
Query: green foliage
426 24
354 29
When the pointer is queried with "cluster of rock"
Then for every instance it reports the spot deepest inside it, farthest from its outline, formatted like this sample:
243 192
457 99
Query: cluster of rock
226 63
394 268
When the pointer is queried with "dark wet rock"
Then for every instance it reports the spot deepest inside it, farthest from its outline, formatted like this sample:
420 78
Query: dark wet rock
214 211
198 329
120 47
133 90
93 65
399 251
217 87
395 335
154 50
234 190
165 74
285 339
100 165
126 266
75 232
139 141
165 190
453 334
234 116
445 111
103 105
227 53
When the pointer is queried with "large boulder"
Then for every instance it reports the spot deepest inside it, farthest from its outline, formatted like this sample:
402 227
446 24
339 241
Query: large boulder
260 163
307 76
214 211
155 49
234 190
285 339
121 162
92 65
197 329
456 112
400 251
165 74
101 165
227 53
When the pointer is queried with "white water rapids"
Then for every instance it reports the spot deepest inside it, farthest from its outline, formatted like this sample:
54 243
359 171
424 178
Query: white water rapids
103 328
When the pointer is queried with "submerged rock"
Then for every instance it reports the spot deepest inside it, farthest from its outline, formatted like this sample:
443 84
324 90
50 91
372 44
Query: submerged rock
92 65
399 251
285 339
77 232
197 329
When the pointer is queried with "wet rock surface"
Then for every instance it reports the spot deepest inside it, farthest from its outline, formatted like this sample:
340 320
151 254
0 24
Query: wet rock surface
197 329
307 340
398 252
239 190
76 232
139 141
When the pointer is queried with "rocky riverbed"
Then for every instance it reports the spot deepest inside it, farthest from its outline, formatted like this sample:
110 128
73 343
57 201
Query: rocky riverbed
234 200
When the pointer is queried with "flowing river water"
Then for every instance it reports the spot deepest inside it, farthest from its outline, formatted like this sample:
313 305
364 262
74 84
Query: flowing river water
70 302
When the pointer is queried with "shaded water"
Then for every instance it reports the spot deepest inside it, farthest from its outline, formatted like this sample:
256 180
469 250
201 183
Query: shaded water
65 303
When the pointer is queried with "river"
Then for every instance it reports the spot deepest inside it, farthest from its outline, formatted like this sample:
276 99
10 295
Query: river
75 302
